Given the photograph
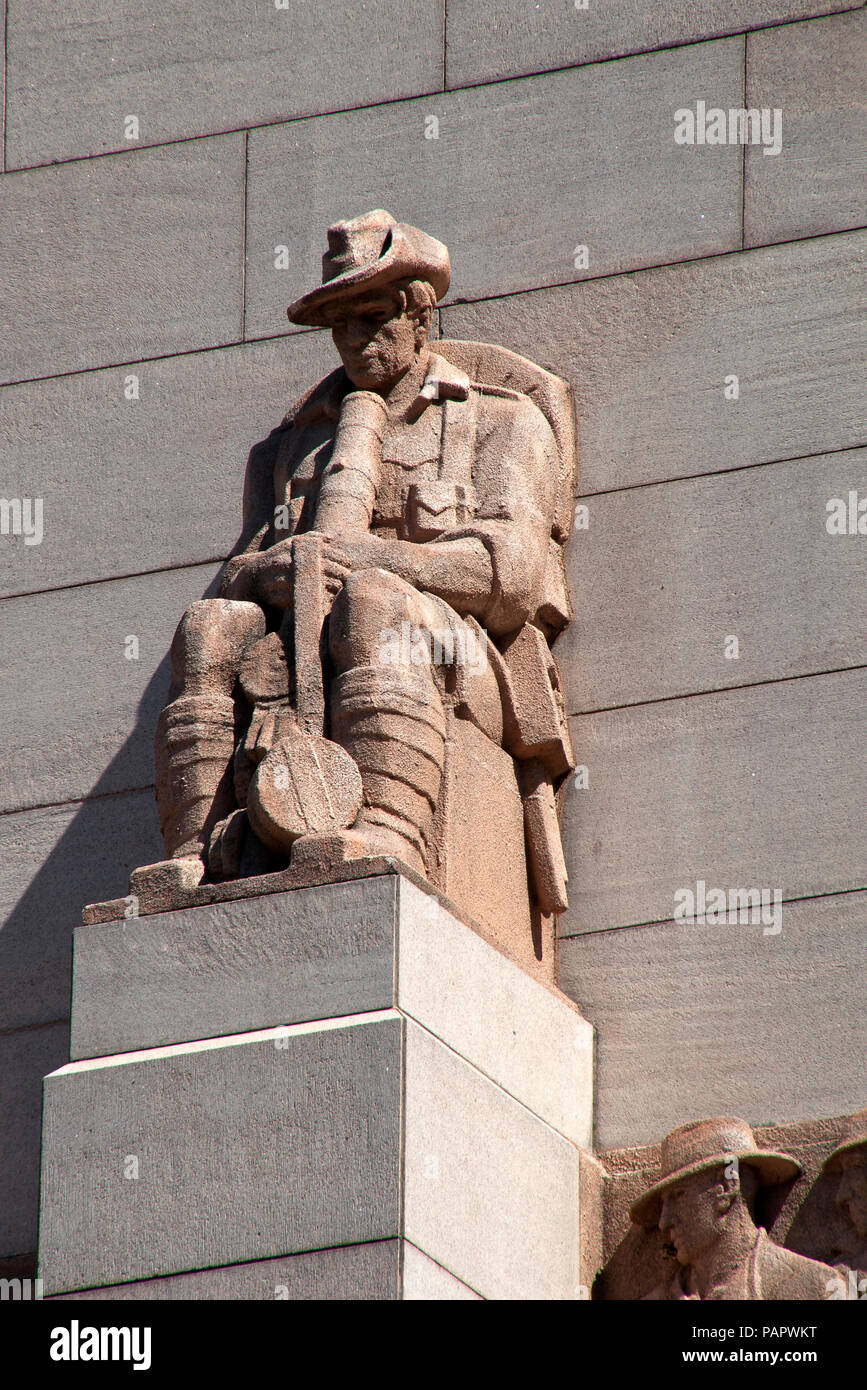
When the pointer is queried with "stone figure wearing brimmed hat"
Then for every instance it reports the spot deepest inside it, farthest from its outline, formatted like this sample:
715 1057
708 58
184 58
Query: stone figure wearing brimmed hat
710 1171
420 488
849 1161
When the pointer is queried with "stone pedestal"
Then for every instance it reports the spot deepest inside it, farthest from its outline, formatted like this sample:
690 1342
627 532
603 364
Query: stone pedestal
341 1091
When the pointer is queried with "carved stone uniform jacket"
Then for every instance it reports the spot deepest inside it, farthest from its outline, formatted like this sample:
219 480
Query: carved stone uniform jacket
770 1272
470 460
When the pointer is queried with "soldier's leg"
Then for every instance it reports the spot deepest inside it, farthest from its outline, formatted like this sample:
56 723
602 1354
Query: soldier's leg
195 739
389 718
387 704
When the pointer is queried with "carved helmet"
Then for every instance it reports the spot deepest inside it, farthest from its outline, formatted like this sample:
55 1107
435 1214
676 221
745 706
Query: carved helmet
369 251
706 1144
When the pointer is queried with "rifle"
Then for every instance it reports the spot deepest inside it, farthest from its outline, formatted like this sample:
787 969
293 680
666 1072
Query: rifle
306 784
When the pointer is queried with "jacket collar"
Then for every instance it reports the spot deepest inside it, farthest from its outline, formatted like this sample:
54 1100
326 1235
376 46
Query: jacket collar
443 382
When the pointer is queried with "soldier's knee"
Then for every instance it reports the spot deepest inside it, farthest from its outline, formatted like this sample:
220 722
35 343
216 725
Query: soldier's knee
370 602
211 640
374 589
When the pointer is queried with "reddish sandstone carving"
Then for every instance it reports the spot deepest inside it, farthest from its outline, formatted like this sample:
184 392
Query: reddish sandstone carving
847 1166
392 601
702 1203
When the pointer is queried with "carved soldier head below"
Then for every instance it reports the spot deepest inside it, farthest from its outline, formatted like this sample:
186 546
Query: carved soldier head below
704 1204
849 1161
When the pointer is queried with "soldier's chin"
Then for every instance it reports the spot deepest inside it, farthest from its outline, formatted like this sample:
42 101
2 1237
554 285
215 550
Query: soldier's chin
365 374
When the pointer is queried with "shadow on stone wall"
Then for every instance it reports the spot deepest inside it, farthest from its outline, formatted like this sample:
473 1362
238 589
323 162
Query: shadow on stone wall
91 847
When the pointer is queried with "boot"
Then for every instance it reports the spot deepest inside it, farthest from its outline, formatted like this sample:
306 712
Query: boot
392 723
195 743
195 748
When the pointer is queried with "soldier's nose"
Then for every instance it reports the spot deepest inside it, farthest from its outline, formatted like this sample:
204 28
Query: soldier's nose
356 333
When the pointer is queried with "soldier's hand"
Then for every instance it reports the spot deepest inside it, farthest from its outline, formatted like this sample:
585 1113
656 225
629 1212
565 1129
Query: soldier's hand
357 550
237 577
272 575
336 565
274 572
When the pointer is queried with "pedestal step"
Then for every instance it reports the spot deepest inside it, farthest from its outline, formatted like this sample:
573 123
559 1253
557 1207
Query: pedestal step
265 1085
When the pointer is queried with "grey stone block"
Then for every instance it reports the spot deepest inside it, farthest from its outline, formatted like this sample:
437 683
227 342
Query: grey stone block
117 259
348 1272
234 967
52 861
319 952
25 1057
504 152
761 786
493 1014
247 1148
87 724
242 1157
665 573
71 85
146 484
368 1273
487 39
702 1020
426 1281
814 74
490 1192
648 355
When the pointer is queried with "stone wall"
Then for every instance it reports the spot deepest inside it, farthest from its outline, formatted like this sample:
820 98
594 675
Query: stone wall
146 348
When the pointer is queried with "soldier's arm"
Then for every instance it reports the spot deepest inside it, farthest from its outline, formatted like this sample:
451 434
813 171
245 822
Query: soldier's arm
515 477
258 513
494 566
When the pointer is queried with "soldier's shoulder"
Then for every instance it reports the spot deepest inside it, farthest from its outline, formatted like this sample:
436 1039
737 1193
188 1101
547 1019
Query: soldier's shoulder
322 401
787 1275
504 399
501 407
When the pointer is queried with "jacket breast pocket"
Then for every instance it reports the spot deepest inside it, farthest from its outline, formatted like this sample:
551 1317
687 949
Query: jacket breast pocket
437 506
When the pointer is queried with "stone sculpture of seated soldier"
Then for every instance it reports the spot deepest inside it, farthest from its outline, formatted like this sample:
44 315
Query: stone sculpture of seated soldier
399 497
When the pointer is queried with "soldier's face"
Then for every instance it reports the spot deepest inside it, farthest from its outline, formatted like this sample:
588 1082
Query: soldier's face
852 1192
375 338
689 1219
